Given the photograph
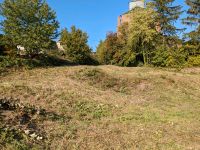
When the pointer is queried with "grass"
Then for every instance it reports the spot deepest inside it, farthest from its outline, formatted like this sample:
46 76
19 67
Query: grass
108 107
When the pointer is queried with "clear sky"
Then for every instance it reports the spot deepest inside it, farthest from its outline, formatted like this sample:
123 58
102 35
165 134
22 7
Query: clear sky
96 17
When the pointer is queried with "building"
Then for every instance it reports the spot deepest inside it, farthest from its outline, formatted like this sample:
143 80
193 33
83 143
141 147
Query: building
125 18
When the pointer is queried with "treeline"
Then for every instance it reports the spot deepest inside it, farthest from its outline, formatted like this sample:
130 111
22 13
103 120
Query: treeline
151 38
29 29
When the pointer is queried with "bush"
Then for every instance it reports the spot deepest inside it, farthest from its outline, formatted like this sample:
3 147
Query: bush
165 57
194 61
75 46
41 61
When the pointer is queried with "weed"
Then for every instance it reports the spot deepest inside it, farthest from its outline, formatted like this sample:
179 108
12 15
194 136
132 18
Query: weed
89 110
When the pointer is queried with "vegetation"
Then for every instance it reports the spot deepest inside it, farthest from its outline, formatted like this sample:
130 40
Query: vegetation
143 34
155 111
30 24
151 38
75 45
99 107
107 49
193 19
167 15
192 46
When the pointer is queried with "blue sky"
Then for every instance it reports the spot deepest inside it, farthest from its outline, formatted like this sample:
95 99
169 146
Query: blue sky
96 17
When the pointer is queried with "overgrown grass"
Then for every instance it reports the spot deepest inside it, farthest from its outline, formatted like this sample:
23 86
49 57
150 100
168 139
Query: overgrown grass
96 77
160 111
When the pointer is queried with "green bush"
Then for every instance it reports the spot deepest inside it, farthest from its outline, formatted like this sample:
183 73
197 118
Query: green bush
9 62
194 61
27 63
76 48
165 57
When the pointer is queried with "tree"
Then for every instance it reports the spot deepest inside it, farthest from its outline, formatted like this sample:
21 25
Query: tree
193 13
75 45
193 19
167 15
124 56
107 49
101 53
143 33
29 23
2 48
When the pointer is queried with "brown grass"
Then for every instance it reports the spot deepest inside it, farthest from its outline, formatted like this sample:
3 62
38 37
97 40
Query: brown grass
112 107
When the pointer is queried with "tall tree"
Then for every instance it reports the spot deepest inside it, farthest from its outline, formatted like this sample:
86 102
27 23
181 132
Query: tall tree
168 14
192 44
75 45
101 53
193 19
143 33
107 49
124 56
29 23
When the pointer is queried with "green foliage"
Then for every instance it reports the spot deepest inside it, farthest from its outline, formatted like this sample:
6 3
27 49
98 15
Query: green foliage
107 49
143 34
165 57
101 53
194 61
114 49
138 38
31 24
42 61
193 13
193 19
124 55
167 15
12 139
75 45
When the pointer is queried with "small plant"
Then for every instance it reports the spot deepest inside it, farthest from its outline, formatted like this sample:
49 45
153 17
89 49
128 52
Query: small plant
89 110
13 138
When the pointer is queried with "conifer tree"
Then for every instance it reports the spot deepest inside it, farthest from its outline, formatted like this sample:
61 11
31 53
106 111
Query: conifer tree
168 14
193 18
29 23
192 45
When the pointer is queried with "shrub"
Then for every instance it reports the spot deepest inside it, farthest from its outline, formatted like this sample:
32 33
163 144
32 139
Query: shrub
194 61
41 61
75 45
165 57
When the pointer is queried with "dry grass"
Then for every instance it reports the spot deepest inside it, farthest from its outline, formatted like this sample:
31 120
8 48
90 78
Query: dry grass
111 107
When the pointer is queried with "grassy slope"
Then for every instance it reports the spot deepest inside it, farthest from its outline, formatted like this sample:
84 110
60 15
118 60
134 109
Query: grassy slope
113 108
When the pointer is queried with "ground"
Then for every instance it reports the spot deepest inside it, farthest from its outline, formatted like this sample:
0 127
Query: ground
103 107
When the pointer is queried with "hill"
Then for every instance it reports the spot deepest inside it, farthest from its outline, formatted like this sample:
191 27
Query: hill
103 107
